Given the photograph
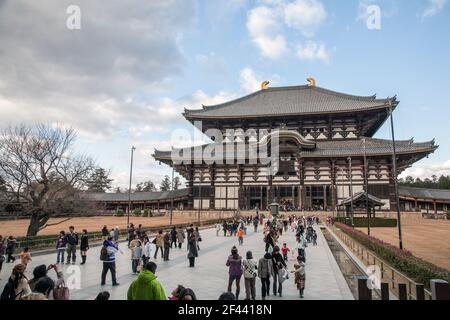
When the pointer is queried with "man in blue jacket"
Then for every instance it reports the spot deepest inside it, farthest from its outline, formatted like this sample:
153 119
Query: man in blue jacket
109 262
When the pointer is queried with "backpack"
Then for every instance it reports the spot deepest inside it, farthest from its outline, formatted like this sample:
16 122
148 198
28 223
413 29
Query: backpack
103 254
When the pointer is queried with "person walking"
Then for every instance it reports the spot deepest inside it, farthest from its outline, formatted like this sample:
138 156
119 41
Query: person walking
255 224
192 250
234 263
146 286
61 247
105 233
269 239
167 242
116 234
131 233
265 271
84 246
250 273
198 238
11 249
146 251
217 229
224 228
285 250
300 276
180 237
72 242
240 235
278 265
173 237
108 256
136 256
25 256
159 242
2 252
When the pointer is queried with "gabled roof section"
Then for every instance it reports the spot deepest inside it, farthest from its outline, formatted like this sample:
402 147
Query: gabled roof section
293 100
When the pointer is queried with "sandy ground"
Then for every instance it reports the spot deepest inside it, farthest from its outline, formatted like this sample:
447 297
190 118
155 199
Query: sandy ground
19 227
425 238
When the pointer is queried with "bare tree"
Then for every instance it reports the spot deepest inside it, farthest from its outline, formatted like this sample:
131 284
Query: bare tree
39 167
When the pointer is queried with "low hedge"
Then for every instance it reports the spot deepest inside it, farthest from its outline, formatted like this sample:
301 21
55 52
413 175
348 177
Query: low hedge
361 222
419 270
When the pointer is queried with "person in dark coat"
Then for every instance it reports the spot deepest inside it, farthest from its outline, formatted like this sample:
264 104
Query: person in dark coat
278 264
173 237
167 242
84 246
192 250
72 242
10 249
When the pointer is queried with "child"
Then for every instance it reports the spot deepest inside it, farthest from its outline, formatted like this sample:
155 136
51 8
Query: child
176 292
300 276
240 235
136 257
284 251
25 256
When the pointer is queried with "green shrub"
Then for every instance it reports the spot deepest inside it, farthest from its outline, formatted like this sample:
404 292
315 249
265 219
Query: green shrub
419 270
137 212
119 213
146 213
361 222
448 215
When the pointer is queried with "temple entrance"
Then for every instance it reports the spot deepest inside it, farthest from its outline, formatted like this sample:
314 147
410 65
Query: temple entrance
318 198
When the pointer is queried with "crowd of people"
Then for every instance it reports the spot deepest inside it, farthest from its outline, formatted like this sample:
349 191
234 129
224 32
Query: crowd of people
271 268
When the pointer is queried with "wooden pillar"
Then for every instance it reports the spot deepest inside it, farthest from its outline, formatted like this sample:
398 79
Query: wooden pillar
415 205
325 204
190 201
212 174
434 206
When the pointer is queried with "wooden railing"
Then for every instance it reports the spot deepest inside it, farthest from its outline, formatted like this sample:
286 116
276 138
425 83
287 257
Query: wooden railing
388 274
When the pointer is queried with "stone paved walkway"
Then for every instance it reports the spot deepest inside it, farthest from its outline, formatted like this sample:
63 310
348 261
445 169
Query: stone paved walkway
209 278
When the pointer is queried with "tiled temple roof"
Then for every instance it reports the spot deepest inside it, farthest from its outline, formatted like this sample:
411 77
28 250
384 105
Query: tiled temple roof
293 100
337 148
437 194
137 196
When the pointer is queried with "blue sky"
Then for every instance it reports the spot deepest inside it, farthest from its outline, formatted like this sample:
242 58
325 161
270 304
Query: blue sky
124 78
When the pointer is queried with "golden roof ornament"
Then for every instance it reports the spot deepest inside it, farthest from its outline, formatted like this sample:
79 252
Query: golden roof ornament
311 82
264 85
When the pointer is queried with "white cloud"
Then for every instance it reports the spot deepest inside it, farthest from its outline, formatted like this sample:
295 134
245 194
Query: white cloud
313 51
267 24
433 8
264 28
423 171
251 81
96 79
305 16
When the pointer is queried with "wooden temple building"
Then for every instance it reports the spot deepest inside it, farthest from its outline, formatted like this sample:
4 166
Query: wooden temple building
323 138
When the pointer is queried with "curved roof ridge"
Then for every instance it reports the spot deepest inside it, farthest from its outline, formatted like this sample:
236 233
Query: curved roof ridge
286 88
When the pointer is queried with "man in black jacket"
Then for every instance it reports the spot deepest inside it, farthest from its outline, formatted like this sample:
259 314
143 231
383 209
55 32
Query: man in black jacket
72 242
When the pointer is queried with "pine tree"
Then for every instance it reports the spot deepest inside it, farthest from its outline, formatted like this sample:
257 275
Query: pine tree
145 186
165 184
176 183
99 181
